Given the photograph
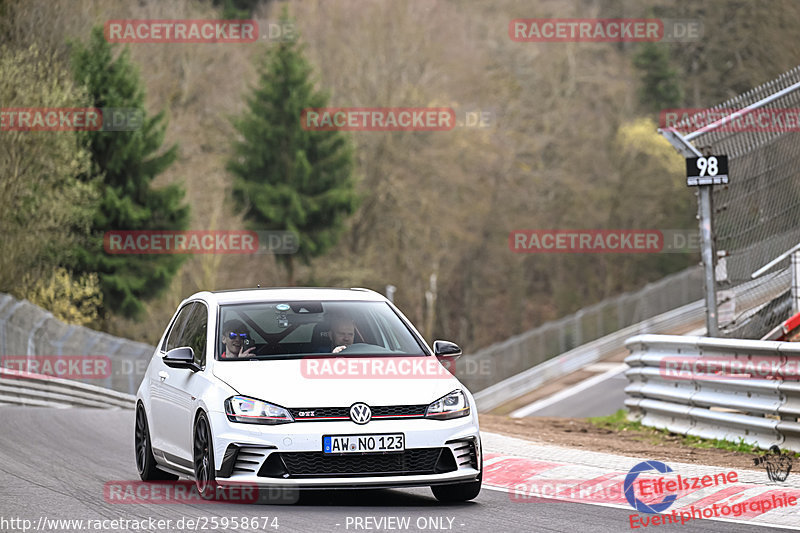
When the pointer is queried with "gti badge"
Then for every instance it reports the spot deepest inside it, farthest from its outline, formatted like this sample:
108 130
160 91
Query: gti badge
360 413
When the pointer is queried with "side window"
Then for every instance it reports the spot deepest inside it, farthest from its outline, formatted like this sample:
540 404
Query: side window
189 329
195 332
174 338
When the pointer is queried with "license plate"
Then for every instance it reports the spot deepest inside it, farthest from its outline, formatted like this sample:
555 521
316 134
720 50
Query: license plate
393 442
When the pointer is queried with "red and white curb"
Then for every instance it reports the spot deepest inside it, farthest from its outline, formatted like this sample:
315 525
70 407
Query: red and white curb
534 473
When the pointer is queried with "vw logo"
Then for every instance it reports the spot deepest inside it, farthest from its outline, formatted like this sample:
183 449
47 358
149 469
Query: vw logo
360 413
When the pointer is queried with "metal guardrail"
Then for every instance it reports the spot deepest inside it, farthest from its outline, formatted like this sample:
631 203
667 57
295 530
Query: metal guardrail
28 330
36 390
528 380
519 353
525 382
701 403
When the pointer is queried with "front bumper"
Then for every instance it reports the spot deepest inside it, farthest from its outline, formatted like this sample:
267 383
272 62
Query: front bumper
290 455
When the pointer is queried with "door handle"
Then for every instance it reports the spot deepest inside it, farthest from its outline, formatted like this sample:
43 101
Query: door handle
163 375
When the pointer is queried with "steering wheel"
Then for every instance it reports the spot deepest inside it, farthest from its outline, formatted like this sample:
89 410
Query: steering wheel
364 348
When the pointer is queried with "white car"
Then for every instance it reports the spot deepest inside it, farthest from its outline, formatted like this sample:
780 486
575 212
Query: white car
305 388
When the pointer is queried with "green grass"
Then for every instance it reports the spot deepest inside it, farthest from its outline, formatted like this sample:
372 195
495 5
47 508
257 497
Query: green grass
619 422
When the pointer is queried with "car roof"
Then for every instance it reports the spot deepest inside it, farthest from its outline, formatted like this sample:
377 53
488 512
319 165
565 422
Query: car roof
271 294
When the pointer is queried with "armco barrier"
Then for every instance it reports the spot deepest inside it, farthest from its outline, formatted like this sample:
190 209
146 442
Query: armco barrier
28 330
521 352
531 378
44 391
706 404
527 381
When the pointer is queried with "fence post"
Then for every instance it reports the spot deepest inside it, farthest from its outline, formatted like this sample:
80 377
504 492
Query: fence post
599 317
705 213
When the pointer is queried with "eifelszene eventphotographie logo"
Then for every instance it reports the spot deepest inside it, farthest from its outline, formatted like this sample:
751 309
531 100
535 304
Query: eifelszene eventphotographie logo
630 493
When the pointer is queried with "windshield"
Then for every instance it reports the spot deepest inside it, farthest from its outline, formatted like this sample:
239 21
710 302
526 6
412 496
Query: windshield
270 330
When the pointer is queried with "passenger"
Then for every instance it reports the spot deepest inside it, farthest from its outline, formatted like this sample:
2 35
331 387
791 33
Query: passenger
234 335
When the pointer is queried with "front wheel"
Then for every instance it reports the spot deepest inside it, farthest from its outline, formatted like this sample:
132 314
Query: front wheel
145 461
458 492
204 476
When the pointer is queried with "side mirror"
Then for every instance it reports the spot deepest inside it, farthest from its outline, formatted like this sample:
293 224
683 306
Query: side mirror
446 349
182 357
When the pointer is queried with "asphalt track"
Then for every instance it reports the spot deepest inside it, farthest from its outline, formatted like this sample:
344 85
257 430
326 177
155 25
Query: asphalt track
602 398
54 464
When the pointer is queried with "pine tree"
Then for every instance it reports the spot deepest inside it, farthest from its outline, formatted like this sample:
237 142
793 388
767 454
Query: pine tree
288 178
660 84
124 164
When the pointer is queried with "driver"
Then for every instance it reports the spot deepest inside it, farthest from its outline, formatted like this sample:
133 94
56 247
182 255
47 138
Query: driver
342 333
234 333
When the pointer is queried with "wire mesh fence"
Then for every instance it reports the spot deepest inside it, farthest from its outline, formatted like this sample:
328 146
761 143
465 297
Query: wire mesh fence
756 215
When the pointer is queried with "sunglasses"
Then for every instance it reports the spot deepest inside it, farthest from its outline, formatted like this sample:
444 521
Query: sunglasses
233 335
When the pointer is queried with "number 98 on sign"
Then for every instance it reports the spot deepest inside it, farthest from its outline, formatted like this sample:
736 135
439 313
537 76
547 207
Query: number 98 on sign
708 170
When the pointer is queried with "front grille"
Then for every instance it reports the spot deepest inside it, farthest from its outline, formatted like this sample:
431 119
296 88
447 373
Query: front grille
409 462
399 411
320 412
384 412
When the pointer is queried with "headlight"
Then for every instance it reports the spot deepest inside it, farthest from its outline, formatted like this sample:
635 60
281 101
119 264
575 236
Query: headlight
252 411
454 405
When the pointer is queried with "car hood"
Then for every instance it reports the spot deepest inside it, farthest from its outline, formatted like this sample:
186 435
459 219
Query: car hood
297 383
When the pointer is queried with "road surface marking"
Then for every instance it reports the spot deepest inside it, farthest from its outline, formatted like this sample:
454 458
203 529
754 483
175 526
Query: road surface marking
575 389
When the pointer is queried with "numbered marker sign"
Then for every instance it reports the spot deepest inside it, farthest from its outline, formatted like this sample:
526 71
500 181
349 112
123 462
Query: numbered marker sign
708 170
